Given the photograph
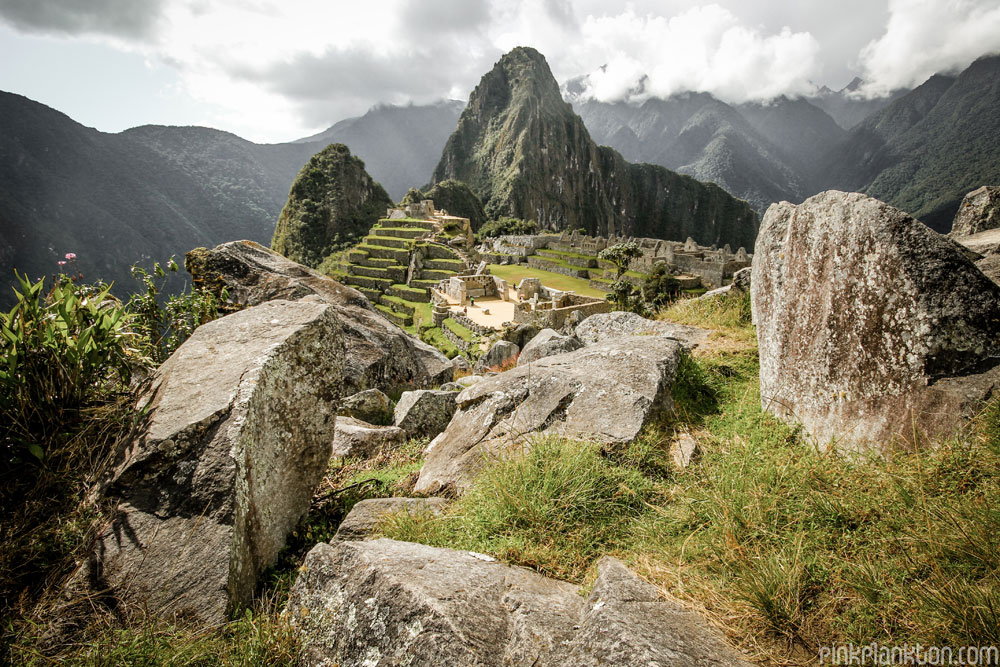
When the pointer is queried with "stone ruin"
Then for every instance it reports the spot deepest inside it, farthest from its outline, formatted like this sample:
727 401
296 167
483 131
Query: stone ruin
714 265
446 224
480 285
552 308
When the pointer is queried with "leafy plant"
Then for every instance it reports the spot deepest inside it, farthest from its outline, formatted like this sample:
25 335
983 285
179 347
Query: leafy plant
621 255
506 226
165 327
58 348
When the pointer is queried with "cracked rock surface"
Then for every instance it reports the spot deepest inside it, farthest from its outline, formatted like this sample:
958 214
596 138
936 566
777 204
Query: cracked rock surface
240 420
872 328
382 602
605 393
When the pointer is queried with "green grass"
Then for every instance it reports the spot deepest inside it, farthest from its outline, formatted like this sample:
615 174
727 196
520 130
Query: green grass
513 273
460 331
434 336
565 253
785 547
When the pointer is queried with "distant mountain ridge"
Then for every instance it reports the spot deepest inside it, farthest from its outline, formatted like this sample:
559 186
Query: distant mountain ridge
399 144
525 153
144 194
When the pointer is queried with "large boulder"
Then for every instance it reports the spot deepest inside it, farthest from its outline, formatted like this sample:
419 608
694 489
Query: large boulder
363 519
353 437
986 249
380 355
871 327
547 343
382 602
370 405
237 438
424 413
606 326
500 352
978 212
605 393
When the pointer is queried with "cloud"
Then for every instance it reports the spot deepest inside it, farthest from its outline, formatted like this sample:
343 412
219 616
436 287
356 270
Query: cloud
127 19
924 37
704 49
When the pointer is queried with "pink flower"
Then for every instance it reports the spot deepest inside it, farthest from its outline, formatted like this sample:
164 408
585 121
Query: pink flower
71 255
61 263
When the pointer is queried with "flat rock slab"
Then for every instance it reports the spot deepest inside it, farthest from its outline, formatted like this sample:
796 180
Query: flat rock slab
237 439
353 438
380 355
605 326
871 327
362 521
605 393
383 602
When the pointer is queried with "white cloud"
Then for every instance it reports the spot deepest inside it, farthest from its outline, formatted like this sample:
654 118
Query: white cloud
924 37
704 49
276 69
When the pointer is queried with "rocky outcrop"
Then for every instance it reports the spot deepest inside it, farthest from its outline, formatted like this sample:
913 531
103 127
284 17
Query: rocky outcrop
606 393
871 327
363 519
500 352
354 438
606 326
379 354
978 212
385 602
333 200
424 413
370 405
520 334
547 343
526 154
240 420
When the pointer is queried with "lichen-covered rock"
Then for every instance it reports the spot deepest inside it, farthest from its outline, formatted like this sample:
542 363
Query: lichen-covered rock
871 327
547 343
240 420
500 352
521 334
370 405
741 280
978 212
353 437
606 326
362 521
468 380
380 355
424 413
382 602
606 393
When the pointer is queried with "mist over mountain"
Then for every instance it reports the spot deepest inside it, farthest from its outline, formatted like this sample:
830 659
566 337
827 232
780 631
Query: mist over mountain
928 148
848 108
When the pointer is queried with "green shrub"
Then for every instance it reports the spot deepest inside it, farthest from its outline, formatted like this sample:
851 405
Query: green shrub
58 349
165 327
505 227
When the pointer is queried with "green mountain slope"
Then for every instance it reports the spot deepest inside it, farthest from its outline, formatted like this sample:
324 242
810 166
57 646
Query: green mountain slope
524 152
332 203
116 199
399 144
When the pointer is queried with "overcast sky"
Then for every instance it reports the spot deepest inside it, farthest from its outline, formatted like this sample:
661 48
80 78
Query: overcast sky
276 70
